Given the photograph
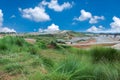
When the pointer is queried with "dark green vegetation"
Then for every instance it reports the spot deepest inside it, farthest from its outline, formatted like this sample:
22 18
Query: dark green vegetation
47 60
12 44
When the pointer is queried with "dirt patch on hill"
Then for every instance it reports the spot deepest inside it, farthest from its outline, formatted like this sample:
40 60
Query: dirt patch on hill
29 40
5 76
117 46
91 45
88 41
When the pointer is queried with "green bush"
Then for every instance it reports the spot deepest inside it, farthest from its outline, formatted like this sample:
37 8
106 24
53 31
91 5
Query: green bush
42 45
13 40
104 54
106 71
68 66
36 76
3 46
47 62
19 41
43 42
34 50
55 45
43 61
36 62
75 64
4 61
75 68
14 68
13 44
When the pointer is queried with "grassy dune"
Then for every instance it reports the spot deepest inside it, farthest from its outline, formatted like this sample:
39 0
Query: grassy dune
47 60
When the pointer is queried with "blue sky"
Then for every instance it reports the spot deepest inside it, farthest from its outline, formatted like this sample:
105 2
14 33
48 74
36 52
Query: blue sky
77 15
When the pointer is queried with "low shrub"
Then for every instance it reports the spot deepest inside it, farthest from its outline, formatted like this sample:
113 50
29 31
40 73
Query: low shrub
47 62
41 44
34 50
3 46
13 44
14 68
37 76
106 71
20 41
4 61
43 61
55 45
68 66
36 62
104 54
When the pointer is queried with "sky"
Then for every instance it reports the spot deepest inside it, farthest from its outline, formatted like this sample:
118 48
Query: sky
53 15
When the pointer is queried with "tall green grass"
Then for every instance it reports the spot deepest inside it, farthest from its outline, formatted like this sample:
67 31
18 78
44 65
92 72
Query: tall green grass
14 68
105 54
4 61
97 63
13 44
106 71
75 68
34 50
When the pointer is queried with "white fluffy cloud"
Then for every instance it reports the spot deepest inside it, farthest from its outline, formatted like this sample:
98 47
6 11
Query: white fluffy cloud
95 19
1 18
88 16
50 28
116 24
115 27
53 4
36 14
4 29
95 29
84 16
53 27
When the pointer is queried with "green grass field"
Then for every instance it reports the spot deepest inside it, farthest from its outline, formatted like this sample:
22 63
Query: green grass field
47 60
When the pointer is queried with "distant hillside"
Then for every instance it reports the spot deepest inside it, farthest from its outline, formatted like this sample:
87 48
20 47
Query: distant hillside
64 33
60 34
75 34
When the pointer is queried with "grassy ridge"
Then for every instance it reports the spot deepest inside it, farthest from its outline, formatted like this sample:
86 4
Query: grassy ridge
47 60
